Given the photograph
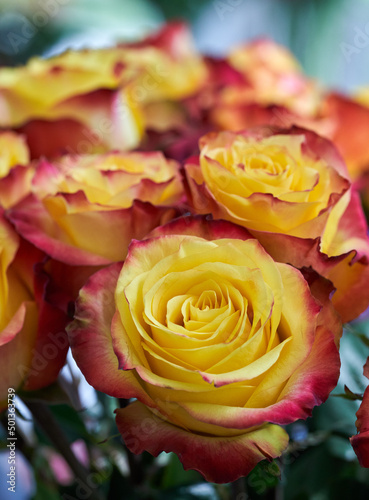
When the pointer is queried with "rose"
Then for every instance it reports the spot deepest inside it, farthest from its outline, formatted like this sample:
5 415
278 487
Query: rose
274 77
360 442
15 178
348 129
76 100
290 182
272 89
13 151
261 83
94 100
33 342
85 210
218 343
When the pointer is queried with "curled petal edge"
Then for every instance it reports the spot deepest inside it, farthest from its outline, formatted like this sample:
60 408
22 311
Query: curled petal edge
218 459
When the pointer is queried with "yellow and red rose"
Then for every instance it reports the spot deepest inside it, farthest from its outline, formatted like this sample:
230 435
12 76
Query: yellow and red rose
33 341
85 210
219 343
15 177
274 77
290 182
91 101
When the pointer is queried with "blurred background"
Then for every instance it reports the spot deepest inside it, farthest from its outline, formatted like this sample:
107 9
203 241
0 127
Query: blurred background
329 37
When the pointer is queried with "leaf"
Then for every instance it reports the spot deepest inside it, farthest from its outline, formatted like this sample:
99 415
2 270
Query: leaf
364 338
44 492
352 396
175 475
71 422
53 394
264 476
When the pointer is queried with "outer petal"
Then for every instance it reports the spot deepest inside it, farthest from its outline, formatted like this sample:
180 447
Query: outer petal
16 185
204 227
360 442
348 274
16 355
350 122
73 239
13 152
34 343
218 459
90 123
91 342
51 346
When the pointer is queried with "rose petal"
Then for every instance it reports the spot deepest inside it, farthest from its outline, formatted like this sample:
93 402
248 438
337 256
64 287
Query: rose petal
142 430
90 337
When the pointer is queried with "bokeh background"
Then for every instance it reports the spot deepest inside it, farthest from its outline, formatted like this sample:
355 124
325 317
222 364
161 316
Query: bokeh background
330 38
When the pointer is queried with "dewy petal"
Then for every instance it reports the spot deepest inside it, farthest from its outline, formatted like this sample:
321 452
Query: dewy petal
142 430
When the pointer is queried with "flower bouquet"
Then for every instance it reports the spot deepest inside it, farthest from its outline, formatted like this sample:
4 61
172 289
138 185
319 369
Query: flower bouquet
193 230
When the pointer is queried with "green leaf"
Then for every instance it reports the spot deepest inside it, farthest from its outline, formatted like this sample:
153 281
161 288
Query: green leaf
352 396
53 394
263 477
45 492
175 475
71 422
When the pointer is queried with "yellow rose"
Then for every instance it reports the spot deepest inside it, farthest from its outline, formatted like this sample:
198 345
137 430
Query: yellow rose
33 342
15 177
117 196
217 342
290 182
98 96
13 151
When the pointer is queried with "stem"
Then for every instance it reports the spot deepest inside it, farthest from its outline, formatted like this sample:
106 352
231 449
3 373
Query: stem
134 461
46 420
238 489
